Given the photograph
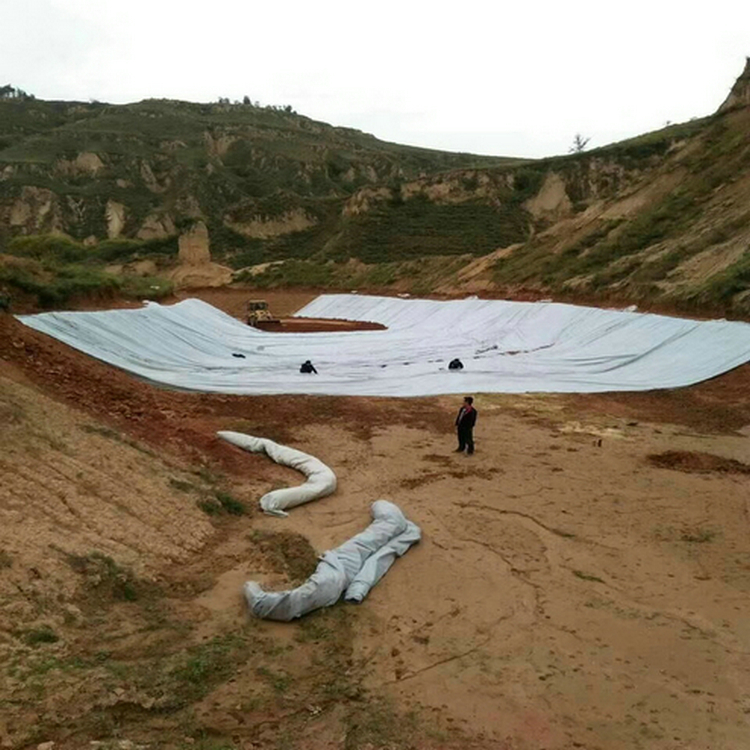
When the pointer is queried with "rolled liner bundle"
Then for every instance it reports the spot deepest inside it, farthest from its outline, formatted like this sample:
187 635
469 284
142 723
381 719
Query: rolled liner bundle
321 480
351 569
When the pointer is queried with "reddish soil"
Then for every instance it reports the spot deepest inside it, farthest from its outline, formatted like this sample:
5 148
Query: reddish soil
319 325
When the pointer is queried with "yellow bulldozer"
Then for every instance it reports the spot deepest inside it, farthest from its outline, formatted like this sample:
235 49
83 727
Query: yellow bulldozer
259 316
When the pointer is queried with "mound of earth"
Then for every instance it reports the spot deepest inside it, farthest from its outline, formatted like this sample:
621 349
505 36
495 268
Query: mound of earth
198 276
698 461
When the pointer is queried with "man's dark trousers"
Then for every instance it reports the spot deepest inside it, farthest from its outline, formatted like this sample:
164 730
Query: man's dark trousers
466 439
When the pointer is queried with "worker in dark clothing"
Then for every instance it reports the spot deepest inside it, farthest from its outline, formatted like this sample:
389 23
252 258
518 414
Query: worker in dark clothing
465 421
456 364
307 366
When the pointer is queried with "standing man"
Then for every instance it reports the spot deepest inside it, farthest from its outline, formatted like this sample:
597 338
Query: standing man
465 421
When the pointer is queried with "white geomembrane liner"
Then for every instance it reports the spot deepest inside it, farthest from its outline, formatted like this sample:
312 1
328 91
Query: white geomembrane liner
351 569
506 347
321 480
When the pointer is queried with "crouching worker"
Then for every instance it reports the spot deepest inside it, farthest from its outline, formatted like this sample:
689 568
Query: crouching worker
465 421
456 364
307 366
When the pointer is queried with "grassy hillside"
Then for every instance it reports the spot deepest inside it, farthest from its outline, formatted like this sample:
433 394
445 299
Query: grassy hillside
662 219
176 160
679 234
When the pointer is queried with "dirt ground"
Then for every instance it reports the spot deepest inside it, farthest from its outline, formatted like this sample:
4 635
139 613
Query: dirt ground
583 579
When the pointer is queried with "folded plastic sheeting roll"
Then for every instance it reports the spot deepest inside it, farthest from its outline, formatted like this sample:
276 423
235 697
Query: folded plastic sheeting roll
321 480
351 569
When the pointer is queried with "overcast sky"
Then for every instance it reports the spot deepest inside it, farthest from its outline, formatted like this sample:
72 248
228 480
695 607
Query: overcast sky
517 79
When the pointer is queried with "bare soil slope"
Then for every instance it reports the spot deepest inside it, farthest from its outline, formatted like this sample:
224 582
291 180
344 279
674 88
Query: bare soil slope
583 582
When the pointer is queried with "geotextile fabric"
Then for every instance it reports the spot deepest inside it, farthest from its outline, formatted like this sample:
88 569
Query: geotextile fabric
350 570
321 480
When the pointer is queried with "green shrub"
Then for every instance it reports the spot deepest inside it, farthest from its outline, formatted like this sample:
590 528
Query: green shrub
76 281
223 503
146 287
294 273
209 507
724 285
105 576
45 634
110 251
49 247
126 250
57 287
230 504
526 183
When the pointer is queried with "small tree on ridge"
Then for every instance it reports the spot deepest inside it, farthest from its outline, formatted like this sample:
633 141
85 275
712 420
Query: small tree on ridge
579 144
